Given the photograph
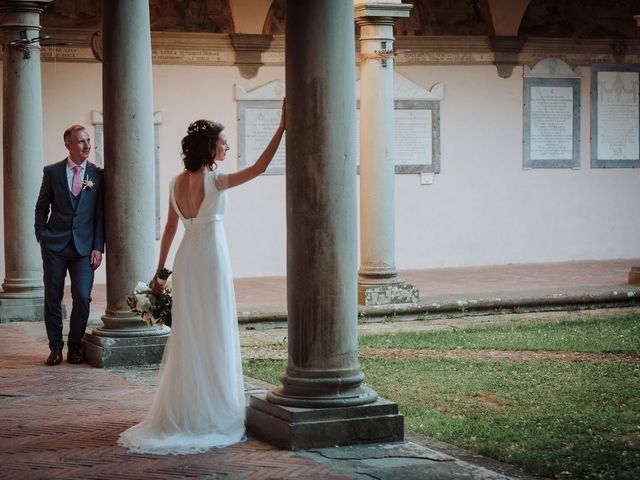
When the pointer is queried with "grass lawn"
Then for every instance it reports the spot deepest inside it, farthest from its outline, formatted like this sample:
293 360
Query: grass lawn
577 419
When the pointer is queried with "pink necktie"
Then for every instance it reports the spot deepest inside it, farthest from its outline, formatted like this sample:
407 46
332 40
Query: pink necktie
76 182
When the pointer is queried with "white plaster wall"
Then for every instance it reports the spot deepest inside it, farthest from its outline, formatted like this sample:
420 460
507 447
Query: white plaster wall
482 209
255 219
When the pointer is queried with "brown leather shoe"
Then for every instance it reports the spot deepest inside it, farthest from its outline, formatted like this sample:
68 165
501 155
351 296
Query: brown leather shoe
55 357
75 356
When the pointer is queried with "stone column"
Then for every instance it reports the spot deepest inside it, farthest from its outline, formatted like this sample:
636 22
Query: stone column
22 296
378 281
129 186
321 401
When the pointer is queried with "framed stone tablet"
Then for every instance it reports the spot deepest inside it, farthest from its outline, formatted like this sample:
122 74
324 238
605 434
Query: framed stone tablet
551 116
417 125
258 117
98 122
615 116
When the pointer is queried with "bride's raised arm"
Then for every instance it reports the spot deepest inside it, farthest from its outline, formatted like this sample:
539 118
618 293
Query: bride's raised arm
249 173
170 229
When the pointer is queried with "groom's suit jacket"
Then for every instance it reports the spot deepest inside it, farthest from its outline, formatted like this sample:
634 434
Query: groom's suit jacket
61 218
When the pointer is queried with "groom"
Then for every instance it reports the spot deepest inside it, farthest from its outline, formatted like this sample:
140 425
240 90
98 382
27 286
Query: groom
69 226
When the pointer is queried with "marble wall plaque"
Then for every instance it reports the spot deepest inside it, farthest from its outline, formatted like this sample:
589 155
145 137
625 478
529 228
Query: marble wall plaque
417 125
97 121
258 125
258 117
615 116
413 137
417 136
551 115
551 123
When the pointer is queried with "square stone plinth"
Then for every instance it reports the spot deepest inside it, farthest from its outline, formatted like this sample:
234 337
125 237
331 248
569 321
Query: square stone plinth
23 309
294 428
390 294
107 352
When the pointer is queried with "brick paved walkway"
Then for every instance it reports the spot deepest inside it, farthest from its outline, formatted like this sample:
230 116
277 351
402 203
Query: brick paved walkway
270 293
64 421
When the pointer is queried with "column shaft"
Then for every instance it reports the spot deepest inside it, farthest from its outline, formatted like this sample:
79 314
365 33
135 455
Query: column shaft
322 401
323 366
128 147
379 282
22 160
377 154
129 182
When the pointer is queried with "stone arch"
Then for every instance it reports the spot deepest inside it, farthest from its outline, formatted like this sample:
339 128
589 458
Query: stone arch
213 16
445 17
274 22
580 19
73 14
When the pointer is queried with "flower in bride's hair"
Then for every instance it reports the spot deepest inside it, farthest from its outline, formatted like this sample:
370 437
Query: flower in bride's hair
199 126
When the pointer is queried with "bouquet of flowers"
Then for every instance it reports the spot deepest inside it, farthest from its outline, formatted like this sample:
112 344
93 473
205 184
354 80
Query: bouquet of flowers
153 309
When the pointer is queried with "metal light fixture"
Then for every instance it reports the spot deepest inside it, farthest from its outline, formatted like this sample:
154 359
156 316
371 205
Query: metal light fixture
24 44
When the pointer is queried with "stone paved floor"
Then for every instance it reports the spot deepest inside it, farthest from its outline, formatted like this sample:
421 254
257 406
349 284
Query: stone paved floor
270 293
63 422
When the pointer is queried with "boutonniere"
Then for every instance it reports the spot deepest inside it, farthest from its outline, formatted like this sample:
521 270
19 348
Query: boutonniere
87 184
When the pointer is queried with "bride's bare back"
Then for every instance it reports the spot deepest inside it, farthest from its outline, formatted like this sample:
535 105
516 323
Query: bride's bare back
189 192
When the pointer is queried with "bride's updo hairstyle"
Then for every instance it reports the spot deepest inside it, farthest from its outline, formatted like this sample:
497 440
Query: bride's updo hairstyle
198 147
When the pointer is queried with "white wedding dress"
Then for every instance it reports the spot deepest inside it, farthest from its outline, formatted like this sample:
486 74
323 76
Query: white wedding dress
200 399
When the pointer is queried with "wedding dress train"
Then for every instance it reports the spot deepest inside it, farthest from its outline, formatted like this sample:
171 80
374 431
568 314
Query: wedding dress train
200 399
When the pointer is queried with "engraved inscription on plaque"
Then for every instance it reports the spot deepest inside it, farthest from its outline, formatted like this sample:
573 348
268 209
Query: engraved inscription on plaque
551 115
416 114
413 134
551 123
260 123
618 116
615 116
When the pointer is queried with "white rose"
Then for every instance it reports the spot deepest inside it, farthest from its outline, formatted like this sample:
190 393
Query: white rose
142 303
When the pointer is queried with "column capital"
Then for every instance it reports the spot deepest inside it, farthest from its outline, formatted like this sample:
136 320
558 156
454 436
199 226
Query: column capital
23 6
21 13
379 12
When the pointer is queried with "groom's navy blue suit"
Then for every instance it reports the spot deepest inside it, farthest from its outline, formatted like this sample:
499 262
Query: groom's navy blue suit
68 229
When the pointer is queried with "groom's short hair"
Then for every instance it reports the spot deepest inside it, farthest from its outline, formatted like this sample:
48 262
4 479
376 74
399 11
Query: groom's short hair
70 130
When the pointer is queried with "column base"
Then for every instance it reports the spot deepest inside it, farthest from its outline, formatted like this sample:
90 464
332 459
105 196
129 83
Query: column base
634 276
107 352
22 309
294 428
387 293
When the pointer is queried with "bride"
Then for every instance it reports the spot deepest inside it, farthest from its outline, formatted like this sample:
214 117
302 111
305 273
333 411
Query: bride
200 399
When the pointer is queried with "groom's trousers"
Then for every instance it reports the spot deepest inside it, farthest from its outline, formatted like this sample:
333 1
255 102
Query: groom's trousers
55 266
